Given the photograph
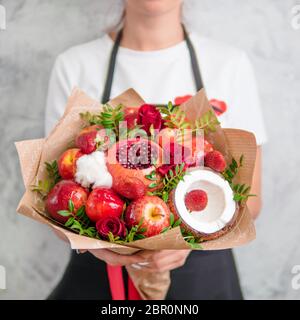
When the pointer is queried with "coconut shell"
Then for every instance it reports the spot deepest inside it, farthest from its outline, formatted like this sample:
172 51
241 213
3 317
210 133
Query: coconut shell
200 235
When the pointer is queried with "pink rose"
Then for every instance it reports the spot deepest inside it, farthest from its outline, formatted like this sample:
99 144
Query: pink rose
111 224
149 116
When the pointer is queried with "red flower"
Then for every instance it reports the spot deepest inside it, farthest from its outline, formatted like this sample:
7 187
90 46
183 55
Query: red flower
112 224
149 116
182 99
218 106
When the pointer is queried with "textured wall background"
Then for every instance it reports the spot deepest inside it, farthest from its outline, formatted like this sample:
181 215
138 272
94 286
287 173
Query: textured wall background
37 30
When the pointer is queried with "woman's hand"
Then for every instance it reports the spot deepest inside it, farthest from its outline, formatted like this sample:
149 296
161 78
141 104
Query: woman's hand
115 259
148 260
162 260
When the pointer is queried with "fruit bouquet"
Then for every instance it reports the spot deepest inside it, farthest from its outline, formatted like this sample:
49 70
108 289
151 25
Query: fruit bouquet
129 176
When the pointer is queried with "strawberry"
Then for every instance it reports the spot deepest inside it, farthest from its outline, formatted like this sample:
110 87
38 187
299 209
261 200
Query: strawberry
196 200
129 187
215 160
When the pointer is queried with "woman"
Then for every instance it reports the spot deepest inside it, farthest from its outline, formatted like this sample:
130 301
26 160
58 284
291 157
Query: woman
153 54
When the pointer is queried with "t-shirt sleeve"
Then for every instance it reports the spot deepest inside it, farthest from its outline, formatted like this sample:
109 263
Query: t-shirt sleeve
58 91
245 109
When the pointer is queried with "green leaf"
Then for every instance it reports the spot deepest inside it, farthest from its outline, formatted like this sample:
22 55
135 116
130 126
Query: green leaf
64 213
171 219
151 176
165 196
139 236
241 161
71 205
152 185
195 245
177 223
80 212
165 229
69 222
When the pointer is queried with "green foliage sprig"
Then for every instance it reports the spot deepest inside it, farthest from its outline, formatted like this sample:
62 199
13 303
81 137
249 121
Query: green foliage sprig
191 239
43 187
173 223
175 118
187 235
169 182
78 221
133 234
109 117
207 122
241 192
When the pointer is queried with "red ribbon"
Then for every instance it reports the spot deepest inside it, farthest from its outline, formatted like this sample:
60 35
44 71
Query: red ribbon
116 283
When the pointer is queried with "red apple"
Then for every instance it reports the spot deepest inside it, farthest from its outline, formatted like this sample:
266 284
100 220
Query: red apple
103 203
86 139
58 199
154 212
67 163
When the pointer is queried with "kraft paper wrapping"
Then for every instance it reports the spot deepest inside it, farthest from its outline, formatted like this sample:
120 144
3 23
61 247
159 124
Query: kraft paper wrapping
33 154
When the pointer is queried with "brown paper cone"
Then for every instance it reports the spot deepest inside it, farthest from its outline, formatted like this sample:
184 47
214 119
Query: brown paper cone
34 153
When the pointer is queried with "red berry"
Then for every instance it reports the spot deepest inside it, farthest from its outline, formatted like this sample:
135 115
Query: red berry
196 200
130 187
215 160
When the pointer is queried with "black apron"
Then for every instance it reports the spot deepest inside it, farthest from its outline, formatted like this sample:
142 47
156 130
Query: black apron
206 275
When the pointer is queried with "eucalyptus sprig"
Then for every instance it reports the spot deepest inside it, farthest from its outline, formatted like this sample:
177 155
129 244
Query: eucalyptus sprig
207 122
170 182
44 186
78 221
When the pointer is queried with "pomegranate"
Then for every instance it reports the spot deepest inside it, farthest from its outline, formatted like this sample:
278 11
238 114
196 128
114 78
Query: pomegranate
129 161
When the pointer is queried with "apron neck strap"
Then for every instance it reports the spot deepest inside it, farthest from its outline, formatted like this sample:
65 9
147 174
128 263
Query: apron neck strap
113 58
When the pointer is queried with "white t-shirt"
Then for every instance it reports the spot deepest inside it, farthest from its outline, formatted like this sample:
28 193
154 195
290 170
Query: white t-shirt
161 76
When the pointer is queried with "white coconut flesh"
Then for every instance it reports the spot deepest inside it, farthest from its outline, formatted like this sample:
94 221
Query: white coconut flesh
220 207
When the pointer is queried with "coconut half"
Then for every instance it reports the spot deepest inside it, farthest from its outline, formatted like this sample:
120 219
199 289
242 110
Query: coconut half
220 209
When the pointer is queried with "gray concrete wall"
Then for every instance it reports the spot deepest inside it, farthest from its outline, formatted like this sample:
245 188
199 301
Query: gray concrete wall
37 30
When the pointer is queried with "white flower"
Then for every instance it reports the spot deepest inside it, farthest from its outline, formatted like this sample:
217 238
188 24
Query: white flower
92 170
